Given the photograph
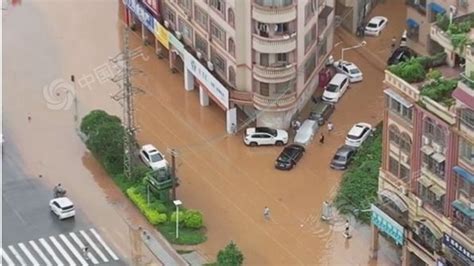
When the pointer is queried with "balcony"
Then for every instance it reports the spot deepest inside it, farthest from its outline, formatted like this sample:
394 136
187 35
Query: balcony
272 15
274 45
241 97
448 114
441 37
439 33
399 217
403 86
277 103
273 4
274 74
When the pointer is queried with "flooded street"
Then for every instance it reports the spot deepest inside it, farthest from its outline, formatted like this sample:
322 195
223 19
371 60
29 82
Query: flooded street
48 41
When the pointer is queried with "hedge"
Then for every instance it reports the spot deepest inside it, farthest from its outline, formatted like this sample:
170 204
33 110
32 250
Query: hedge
150 211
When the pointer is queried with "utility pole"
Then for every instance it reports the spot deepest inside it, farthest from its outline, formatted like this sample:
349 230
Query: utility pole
125 97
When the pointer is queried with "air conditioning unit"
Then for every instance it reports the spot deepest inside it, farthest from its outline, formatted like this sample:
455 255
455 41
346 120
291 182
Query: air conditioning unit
286 37
426 141
419 202
199 55
167 24
210 65
438 148
178 35
403 190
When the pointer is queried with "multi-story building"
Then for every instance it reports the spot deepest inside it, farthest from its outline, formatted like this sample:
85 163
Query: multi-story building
353 13
422 13
426 181
265 53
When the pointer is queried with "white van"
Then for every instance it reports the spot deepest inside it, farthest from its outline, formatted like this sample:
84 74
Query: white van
336 88
304 135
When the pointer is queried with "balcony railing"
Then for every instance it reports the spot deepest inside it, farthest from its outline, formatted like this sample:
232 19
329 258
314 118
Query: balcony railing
405 87
400 218
242 97
421 243
271 15
466 81
447 114
273 3
441 37
274 74
467 230
282 103
276 45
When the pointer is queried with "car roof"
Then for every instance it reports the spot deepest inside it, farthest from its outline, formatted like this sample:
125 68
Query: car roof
344 150
338 78
357 129
63 201
294 147
150 148
377 19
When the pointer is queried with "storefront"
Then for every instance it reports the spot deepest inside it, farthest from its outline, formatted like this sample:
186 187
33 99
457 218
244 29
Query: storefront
456 253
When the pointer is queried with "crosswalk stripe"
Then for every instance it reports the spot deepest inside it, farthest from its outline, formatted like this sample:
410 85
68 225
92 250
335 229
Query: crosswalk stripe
51 252
74 251
61 249
81 245
7 258
109 250
28 254
17 255
38 250
92 244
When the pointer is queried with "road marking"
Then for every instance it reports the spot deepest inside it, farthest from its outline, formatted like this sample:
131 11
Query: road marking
81 245
28 254
38 250
7 258
104 244
74 251
61 249
92 244
51 252
17 255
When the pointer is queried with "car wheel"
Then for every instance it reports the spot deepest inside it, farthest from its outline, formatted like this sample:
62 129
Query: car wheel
279 143
253 144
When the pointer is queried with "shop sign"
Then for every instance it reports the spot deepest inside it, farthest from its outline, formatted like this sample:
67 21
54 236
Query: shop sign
207 79
458 248
386 224
177 45
162 35
143 15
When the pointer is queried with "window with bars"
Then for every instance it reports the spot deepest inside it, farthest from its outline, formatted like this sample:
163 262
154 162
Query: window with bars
232 76
201 17
231 47
186 5
466 151
309 38
467 118
218 5
264 89
186 30
309 66
220 64
200 44
231 17
170 16
218 34
434 132
435 167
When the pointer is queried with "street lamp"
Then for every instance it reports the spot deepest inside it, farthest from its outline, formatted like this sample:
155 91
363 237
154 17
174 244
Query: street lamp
177 203
362 44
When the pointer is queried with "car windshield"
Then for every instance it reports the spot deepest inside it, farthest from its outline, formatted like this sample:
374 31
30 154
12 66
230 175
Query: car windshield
67 208
332 88
372 25
156 157
353 137
354 71
338 157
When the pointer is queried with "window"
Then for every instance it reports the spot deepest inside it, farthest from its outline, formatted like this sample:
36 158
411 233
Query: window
435 167
231 47
322 48
218 33
394 134
220 64
429 127
466 189
309 38
309 66
218 5
405 143
201 17
439 135
466 151
231 17
467 118
308 11
281 28
186 5
232 76
399 109
393 166
413 33
170 16
283 88
153 4
404 172
430 198
186 30
201 45
264 89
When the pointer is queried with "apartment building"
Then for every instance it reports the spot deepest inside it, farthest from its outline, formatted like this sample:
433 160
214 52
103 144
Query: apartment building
422 13
353 13
426 181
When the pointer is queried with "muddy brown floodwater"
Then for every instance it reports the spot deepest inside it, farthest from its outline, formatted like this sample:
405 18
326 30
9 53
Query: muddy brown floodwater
46 41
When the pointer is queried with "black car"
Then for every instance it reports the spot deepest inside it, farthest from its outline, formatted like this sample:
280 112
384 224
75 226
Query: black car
343 157
289 157
400 54
321 112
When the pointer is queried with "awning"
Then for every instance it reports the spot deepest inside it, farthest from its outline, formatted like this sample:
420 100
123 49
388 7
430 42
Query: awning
464 97
411 23
464 174
438 157
437 8
425 181
395 199
325 12
398 98
427 150
460 206
438 191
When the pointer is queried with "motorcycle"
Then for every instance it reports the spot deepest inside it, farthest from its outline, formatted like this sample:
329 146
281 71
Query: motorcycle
59 192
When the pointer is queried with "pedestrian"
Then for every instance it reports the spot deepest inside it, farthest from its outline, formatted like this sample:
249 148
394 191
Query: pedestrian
85 252
394 42
295 125
266 213
330 127
346 230
29 118
321 139
233 128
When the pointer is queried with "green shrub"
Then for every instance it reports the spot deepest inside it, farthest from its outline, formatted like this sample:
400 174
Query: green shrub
159 206
440 90
154 217
230 256
410 71
96 118
193 219
433 74
181 216
443 21
152 214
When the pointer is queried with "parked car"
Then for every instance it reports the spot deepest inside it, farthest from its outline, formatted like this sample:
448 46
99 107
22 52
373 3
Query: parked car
152 157
336 88
375 25
62 207
304 134
343 157
290 155
358 134
321 112
349 69
400 54
256 136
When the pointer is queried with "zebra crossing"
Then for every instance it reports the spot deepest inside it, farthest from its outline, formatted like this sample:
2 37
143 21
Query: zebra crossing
63 249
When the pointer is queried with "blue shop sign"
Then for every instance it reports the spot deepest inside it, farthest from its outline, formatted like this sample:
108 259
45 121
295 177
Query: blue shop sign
387 225
143 15
464 253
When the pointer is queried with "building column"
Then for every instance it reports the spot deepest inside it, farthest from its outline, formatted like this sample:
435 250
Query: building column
188 80
405 256
374 241
203 97
231 120
451 58
144 29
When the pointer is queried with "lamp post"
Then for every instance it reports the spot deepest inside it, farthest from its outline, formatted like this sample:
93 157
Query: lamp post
177 203
361 44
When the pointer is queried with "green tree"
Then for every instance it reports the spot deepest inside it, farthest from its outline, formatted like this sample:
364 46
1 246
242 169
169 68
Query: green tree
193 219
95 118
230 256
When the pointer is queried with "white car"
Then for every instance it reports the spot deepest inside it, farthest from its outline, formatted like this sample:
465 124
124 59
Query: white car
358 134
152 157
349 69
335 88
256 136
62 207
375 25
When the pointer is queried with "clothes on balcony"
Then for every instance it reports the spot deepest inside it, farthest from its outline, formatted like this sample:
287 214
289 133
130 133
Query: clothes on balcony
436 8
466 210
411 23
464 174
395 199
